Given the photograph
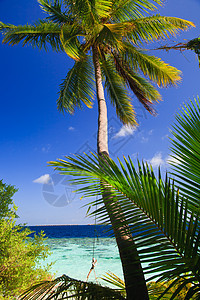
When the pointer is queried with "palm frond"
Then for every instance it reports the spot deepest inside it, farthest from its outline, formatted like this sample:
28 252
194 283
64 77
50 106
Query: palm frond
144 90
156 289
113 279
185 149
69 37
41 34
103 8
65 287
166 234
53 9
127 9
151 66
111 35
83 10
155 27
119 97
78 87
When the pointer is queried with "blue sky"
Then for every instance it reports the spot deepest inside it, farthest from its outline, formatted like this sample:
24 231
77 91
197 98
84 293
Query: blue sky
33 132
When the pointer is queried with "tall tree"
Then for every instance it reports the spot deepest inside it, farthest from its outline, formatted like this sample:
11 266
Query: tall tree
111 33
105 37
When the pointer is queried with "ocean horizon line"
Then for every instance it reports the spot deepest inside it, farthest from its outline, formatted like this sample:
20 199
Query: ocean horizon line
65 225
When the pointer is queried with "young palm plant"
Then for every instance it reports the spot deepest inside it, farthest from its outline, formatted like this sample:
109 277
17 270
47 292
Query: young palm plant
105 37
164 219
163 215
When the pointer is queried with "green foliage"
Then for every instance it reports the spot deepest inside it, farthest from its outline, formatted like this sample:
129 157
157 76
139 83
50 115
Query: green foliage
154 27
6 194
69 288
151 66
195 46
39 34
78 87
164 219
186 155
166 234
21 256
155 289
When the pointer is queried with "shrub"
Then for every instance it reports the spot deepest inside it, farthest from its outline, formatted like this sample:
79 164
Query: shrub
21 256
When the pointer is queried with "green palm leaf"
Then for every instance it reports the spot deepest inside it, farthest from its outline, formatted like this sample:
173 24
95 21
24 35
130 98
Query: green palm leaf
78 87
155 27
144 90
111 35
185 149
84 10
115 280
40 34
166 234
65 287
151 66
54 11
70 40
131 9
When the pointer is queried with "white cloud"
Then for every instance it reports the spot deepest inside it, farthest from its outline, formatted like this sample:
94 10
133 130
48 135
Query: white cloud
165 137
157 160
44 179
71 128
175 160
124 131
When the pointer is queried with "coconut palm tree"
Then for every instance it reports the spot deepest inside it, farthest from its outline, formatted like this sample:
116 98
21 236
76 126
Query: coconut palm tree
163 216
105 37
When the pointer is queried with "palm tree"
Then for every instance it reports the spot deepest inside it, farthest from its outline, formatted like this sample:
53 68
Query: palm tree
105 37
164 218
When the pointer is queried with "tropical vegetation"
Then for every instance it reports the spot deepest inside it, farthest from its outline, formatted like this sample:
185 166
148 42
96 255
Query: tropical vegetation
105 39
21 259
163 215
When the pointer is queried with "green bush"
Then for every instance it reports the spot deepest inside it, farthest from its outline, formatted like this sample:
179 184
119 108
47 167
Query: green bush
21 256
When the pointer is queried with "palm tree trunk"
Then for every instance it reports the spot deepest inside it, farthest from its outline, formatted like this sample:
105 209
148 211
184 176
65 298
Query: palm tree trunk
102 136
135 287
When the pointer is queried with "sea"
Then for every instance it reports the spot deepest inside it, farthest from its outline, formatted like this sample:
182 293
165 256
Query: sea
74 246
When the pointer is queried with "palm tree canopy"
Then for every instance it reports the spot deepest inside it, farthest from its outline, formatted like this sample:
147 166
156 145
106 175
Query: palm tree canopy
119 29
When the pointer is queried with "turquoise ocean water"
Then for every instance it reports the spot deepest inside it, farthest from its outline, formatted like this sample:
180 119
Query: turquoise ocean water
73 257
73 248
